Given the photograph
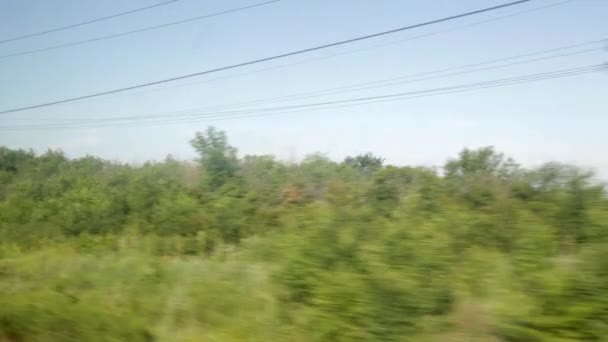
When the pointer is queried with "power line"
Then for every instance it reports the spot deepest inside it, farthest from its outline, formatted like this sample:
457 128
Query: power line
86 22
219 117
388 97
343 103
553 74
391 97
411 78
399 80
137 31
320 47
399 41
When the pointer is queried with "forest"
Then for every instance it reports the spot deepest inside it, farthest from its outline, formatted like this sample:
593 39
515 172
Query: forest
249 248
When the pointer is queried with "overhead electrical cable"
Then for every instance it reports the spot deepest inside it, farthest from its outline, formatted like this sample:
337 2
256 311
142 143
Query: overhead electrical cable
399 80
508 80
86 22
55 47
261 60
411 78
345 102
402 96
349 52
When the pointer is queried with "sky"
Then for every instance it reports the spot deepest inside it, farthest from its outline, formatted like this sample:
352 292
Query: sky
562 119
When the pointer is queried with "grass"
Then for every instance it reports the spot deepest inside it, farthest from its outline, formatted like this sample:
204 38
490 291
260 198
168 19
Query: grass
61 293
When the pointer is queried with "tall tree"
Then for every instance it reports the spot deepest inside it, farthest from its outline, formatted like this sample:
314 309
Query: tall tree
217 157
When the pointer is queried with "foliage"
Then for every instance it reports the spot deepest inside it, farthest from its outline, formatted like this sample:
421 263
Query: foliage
232 249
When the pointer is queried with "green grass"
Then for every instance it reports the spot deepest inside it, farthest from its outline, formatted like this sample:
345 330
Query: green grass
62 294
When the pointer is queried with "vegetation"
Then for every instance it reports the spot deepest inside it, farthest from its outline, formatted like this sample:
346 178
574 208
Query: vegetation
252 249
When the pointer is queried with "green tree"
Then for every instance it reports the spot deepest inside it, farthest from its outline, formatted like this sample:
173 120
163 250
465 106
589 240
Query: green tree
366 163
218 159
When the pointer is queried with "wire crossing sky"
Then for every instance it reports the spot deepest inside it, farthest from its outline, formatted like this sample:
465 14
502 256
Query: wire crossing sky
71 26
122 34
194 117
441 73
266 59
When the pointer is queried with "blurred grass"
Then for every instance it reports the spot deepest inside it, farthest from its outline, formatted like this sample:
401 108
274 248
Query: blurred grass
61 294
124 290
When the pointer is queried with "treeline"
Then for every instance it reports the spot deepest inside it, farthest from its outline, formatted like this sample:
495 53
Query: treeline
251 248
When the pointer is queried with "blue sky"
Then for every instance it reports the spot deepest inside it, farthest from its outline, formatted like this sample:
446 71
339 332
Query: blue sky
559 119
